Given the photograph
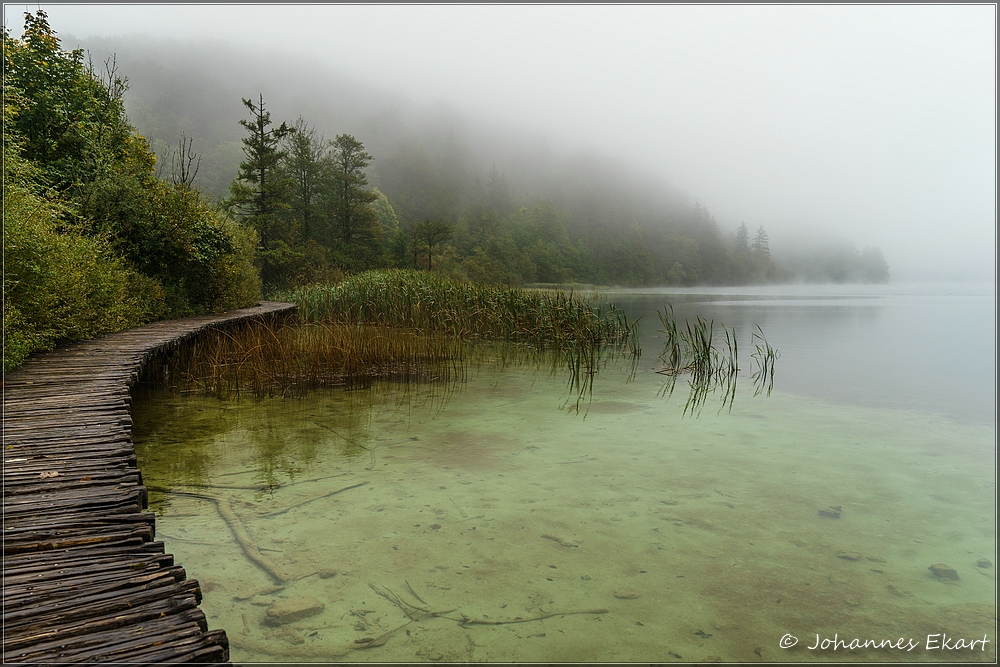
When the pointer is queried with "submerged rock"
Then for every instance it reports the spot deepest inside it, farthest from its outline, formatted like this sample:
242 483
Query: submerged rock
943 571
849 555
292 609
982 562
831 512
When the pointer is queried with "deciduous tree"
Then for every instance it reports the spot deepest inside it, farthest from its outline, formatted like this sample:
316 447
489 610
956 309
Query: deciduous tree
93 241
429 233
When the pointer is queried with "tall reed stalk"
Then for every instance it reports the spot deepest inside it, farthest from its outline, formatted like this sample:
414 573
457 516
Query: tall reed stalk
692 351
764 357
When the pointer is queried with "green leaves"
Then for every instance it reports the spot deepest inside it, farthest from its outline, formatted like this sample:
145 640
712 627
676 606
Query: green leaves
66 116
58 286
93 241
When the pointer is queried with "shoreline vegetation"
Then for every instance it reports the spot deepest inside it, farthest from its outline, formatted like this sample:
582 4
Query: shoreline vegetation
392 328
405 326
100 236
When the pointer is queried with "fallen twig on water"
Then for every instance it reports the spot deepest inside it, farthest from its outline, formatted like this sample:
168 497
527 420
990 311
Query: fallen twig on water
413 592
410 609
413 613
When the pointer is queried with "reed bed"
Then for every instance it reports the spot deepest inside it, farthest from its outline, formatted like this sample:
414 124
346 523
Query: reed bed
270 358
405 326
422 301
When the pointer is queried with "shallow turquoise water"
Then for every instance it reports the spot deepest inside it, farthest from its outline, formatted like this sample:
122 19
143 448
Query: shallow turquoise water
623 532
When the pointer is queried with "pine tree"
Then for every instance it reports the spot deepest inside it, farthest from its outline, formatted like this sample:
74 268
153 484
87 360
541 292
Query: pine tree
760 243
742 239
258 190
356 235
350 200
261 192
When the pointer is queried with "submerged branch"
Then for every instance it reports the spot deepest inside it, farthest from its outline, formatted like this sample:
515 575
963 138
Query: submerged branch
306 502
247 543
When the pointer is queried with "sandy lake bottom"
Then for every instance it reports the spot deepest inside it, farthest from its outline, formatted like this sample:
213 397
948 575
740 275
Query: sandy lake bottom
624 533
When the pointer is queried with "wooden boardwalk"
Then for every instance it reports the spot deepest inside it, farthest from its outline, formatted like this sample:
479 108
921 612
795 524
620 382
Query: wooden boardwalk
84 578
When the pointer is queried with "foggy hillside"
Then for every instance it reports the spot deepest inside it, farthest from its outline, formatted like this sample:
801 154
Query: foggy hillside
196 87
431 161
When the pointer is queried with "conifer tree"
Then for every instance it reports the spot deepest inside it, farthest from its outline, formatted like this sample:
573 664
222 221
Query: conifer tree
742 239
258 190
260 194
305 165
350 199
760 243
355 230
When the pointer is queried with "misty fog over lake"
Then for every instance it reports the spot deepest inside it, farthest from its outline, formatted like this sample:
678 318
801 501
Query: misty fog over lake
826 125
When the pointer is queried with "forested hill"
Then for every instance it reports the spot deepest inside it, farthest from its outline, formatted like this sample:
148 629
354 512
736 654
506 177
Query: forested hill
509 207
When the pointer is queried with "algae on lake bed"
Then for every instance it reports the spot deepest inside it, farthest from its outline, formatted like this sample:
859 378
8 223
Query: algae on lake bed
699 537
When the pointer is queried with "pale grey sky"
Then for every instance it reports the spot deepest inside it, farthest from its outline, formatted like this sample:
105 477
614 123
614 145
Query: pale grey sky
876 122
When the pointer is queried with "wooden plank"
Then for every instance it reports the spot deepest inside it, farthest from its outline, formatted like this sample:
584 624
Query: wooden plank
89 567
84 578
31 595
127 548
47 540
179 630
69 561
103 617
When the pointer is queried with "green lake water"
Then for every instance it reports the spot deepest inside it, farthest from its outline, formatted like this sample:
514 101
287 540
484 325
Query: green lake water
622 532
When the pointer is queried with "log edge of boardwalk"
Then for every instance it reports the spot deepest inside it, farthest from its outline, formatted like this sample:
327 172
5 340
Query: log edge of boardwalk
85 580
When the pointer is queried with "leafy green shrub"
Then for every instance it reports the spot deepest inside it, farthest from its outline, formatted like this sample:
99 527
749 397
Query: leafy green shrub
60 286
93 241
